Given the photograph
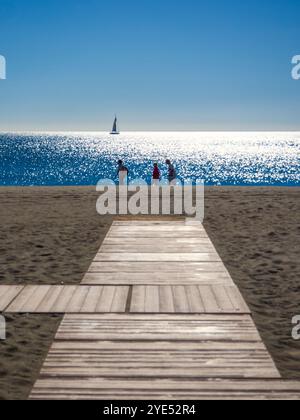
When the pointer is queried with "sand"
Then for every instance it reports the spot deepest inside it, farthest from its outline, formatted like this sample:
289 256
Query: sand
51 235
257 233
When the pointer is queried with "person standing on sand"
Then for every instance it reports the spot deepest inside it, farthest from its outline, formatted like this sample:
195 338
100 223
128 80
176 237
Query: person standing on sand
156 175
122 172
171 173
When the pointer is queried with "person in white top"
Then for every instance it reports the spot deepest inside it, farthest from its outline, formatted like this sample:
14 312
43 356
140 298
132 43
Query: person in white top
122 173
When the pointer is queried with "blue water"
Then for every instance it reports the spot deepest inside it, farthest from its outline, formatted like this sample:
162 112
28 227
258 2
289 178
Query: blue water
84 158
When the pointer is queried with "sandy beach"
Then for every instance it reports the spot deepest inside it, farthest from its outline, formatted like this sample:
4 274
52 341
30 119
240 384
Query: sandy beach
51 235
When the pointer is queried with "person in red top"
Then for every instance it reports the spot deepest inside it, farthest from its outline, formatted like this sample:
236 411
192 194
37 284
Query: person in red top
156 175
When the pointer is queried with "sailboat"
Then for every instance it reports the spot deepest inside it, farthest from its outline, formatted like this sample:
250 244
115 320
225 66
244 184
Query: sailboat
115 127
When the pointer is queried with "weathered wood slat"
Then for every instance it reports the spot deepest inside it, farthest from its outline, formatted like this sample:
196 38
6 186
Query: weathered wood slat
22 299
141 327
161 231
195 299
166 299
152 299
178 227
165 389
8 294
144 299
92 300
209 300
157 267
47 304
120 300
237 299
213 347
35 300
181 302
63 299
179 241
158 370
77 300
157 278
157 257
68 299
149 223
159 235
138 299
156 249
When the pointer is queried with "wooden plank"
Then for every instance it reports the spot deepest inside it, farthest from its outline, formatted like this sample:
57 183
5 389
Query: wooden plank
176 389
77 301
138 299
185 299
92 347
159 235
166 299
152 299
157 278
95 327
161 231
158 370
49 300
118 318
237 300
222 299
8 294
35 299
209 300
120 299
153 241
144 267
92 300
194 299
157 257
149 223
179 227
158 228
147 299
107 298
158 248
181 302
22 299
63 299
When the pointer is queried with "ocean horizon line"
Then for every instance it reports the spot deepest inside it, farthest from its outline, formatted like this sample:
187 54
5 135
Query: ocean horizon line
2 132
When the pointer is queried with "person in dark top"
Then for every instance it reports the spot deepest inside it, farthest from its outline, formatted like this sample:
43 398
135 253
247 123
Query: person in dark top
171 172
156 175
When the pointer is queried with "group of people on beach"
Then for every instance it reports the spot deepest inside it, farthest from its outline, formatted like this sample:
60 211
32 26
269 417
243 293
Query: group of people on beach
156 173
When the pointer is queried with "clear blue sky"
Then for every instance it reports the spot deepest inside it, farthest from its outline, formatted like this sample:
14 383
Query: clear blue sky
159 64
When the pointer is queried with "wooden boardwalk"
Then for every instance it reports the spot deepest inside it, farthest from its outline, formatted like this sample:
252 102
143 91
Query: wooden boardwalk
157 316
122 299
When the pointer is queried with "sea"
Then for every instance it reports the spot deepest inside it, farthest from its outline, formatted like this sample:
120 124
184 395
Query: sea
219 158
